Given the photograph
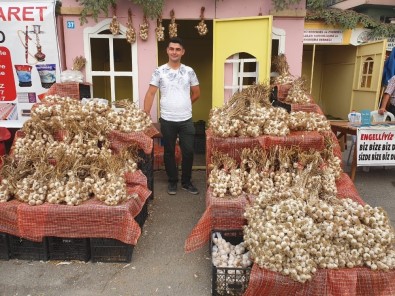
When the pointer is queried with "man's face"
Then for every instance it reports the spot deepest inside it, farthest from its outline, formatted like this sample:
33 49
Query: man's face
175 51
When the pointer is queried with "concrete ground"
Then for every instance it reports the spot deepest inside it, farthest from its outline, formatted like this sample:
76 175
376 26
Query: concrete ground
159 265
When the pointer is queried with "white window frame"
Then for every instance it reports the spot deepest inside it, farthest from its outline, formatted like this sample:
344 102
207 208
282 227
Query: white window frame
279 34
93 32
239 74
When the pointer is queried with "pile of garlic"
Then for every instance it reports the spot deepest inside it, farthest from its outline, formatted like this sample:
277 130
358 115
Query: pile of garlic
297 94
308 121
276 169
248 116
64 151
298 232
224 254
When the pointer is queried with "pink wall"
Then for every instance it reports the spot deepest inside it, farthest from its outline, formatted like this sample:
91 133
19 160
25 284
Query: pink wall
187 9
293 43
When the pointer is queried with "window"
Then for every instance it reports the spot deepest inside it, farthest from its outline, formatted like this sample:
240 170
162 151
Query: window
111 63
367 71
241 71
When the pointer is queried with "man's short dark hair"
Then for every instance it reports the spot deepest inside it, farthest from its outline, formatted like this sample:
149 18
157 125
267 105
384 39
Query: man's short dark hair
176 40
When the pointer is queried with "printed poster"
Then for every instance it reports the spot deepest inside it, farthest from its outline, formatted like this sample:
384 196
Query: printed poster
29 57
376 146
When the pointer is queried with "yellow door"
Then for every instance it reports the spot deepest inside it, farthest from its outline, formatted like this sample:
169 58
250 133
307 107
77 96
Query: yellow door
368 71
231 37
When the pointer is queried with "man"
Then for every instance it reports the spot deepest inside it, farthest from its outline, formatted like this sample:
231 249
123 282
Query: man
389 96
179 88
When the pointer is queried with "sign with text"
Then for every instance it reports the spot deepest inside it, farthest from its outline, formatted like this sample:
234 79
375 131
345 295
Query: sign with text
376 146
323 36
29 57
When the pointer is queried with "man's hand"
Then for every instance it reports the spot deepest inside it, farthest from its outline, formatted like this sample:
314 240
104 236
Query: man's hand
381 111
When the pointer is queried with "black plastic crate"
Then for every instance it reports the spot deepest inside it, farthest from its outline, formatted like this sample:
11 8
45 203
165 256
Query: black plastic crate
142 216
200 127
200 144
25 249
110 250
69 248
229 280
146 165
4 247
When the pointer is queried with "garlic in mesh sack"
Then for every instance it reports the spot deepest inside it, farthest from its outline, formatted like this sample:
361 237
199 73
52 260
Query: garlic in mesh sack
298 234
130 31
144 29
172 25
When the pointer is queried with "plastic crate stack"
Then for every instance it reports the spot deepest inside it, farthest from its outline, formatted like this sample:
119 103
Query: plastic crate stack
66 249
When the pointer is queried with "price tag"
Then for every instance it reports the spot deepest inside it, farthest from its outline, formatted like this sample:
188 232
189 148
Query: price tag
7 82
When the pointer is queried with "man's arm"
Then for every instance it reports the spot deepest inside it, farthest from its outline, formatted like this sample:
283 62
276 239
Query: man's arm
149 98
195 93
384 103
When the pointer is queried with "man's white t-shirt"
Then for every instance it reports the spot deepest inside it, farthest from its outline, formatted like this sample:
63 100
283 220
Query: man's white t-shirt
175 91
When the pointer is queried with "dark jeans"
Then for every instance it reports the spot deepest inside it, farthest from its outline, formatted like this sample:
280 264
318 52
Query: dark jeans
185 131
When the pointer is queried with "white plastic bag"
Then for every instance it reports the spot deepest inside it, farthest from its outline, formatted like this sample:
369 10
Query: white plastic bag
72 76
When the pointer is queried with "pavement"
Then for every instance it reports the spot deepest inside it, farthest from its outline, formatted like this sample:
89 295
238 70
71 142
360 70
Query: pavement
159 265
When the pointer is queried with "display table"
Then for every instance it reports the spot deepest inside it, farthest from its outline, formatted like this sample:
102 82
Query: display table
90 219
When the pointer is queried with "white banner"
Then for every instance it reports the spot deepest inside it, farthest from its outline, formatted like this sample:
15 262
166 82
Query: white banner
376 146
322 36
29 57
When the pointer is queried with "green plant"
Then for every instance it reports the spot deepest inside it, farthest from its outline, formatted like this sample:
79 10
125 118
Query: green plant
348 19
151 8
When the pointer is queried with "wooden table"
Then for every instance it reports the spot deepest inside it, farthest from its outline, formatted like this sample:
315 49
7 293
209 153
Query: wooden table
342 128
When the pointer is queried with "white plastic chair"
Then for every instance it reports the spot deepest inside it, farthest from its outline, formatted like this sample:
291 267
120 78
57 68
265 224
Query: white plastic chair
356 118
376 117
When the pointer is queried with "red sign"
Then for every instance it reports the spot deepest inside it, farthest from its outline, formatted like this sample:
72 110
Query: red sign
7 81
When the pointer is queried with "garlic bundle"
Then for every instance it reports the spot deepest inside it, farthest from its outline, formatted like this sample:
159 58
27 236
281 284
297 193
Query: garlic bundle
144 29
6 191
308 121
202 27
31 190
298 94
172 25
160 30
130 31
114 25
111 190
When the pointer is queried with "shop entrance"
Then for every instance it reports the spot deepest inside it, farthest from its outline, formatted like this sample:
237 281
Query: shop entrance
344 77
